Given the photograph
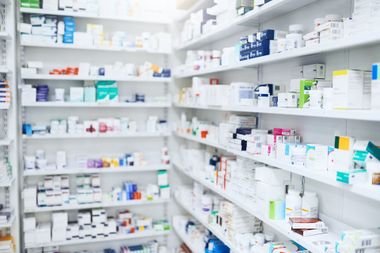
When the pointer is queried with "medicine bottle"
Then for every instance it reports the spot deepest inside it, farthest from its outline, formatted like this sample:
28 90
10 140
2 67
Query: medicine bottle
310 205
293 204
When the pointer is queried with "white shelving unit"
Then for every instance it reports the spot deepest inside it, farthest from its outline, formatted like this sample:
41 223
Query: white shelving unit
146 19
320 176
99 145
96 78
280 226
271 10
365 115
9 189
97 205
118 237
356 52
84 47
74 171
97 105
342 44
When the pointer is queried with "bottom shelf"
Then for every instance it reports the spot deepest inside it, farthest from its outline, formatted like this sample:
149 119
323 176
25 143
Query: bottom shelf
144 234
185 238
203 220
315 244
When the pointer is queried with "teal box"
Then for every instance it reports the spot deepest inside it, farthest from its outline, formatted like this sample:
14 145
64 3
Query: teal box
351 177
89 94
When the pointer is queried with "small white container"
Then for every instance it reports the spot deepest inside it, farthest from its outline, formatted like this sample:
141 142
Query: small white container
310 204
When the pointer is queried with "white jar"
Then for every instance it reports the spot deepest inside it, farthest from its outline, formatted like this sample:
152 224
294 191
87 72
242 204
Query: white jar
293 204
309 205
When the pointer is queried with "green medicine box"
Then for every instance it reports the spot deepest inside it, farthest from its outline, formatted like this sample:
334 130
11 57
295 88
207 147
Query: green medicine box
30 4
305 87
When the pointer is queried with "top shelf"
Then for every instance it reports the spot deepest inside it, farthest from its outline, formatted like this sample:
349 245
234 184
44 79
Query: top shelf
196 6
150 20
269 11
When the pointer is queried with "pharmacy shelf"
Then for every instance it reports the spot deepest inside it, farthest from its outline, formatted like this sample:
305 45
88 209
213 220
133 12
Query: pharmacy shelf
352 42
118 237
268 11
95 78
310 243
96 205
94 136
364 115
9 224
367 191
83 47
142 19
202 218
185 238
5 142
96 105
75 171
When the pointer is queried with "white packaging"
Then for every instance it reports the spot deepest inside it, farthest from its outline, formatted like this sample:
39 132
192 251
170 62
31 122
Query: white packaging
316 157
60 220
293 204
29 224
43 233
375 91
61 160
84 69
315 99
76 94
270 192
310 205
287 100
272 176
243 94
328 98
35 64
348 88
314 71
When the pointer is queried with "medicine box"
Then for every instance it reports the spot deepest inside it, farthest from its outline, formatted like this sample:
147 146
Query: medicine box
348 88
314 71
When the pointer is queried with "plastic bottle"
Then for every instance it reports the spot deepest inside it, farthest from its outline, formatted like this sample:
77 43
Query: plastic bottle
293 204
310 205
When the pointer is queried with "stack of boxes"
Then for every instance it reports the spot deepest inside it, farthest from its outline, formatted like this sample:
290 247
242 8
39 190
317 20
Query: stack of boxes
359 240
60 222
326 29
231 134
53 191
42 29
88 189
234 221
352 89
365 17
259 44
90 225
5 94
68 36
270 191
241 179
